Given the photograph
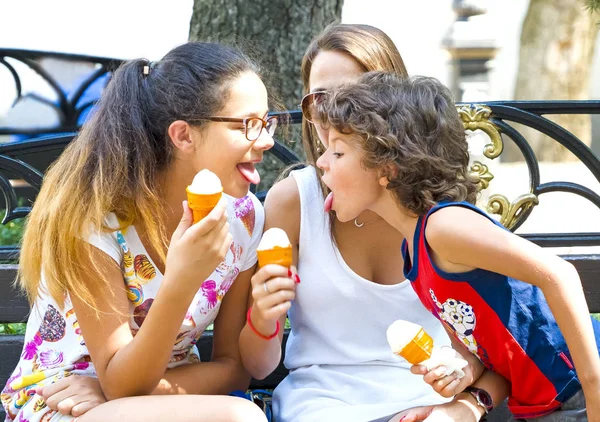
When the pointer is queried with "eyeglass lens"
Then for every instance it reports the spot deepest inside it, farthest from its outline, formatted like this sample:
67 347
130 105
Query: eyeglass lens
254 127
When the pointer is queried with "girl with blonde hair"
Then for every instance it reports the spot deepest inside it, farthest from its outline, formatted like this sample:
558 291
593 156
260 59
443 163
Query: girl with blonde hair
121 282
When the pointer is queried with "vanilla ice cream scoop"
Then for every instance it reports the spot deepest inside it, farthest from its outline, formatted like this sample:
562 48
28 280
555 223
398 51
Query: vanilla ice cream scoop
204 193
274 248
273 238
205 183
410 341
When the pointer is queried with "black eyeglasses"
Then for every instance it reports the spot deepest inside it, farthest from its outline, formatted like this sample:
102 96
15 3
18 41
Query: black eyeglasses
308 104
253 125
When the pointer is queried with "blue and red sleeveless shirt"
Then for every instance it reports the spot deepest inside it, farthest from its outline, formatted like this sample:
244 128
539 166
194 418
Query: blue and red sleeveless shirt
505 322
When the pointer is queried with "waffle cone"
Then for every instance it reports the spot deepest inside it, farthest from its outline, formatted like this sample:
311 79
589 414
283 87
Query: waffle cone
418 349
201 205
277 255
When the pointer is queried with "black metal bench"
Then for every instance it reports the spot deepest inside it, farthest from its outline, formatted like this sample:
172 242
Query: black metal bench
28 160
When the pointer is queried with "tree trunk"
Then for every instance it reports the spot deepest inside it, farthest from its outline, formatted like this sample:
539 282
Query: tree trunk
276 34
557 48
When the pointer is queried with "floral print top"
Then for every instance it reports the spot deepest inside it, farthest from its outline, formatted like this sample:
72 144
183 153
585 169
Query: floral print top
54 346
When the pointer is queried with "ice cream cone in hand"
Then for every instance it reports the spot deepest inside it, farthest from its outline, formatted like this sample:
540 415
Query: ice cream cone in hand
274 248
204 193
410 341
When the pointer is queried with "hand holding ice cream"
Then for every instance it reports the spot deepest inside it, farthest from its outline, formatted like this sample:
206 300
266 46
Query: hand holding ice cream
185 266
410 341
204 193
273 286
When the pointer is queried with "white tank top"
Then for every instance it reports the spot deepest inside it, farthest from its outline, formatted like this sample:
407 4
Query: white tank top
341 367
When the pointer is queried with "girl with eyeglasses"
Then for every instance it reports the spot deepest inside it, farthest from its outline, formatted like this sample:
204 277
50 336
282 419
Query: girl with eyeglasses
121 283
352 285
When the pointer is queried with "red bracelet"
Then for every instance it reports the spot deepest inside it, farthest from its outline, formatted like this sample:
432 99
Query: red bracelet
258 333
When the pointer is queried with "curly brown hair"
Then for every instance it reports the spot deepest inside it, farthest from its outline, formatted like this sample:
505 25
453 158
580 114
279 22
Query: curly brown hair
408 128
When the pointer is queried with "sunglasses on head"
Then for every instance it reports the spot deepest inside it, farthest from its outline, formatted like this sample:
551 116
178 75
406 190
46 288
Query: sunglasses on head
308 104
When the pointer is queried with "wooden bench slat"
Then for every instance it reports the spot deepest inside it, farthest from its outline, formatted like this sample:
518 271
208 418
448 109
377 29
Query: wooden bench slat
588 267
13 304
10 351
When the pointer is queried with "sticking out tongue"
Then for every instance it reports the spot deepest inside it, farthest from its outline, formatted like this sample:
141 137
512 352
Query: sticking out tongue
328 202
249 172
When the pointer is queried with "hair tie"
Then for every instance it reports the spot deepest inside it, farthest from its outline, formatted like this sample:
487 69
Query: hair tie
147 68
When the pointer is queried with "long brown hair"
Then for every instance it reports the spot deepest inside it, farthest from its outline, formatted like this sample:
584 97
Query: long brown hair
116 162
369 46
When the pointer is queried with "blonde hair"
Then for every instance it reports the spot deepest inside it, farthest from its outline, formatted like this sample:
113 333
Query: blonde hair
116 165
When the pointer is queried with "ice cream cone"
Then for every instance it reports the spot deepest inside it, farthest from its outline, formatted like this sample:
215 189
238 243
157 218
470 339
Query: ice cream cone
277 255
244 210
204 193
418 349
410 341
201 205
274 248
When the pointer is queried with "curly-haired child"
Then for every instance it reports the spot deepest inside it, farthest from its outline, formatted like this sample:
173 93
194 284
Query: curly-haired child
396 146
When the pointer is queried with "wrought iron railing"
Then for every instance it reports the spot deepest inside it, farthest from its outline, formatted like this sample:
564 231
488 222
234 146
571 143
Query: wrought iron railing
27 160
69 100
495 118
